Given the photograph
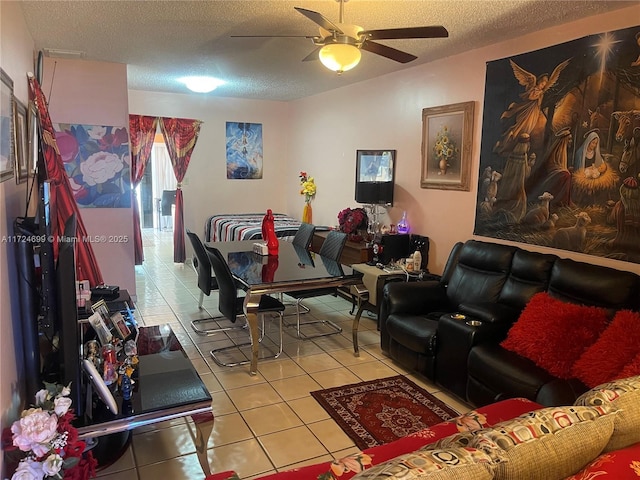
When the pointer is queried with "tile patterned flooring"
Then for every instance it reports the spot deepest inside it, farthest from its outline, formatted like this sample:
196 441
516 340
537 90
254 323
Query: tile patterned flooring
263 423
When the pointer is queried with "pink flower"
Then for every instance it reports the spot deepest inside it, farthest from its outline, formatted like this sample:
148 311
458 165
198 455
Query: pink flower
34 431
28 469
67 145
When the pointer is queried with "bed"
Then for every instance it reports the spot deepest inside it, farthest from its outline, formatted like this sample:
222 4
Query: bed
246 226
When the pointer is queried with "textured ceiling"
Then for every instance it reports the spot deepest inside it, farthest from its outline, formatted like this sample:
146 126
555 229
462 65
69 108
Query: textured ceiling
161 41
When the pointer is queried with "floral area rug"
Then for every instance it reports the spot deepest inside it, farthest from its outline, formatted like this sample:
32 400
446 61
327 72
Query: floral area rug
380 411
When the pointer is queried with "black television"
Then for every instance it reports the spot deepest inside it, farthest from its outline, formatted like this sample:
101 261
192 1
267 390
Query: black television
48 301
375 176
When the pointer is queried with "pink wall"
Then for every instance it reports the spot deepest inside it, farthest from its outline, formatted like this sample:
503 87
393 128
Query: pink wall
95 93
385 113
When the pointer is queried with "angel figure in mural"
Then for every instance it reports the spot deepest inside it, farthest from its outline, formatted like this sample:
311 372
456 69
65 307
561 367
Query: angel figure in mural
527 112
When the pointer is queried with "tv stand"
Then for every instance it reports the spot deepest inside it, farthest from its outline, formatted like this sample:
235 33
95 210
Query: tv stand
167 387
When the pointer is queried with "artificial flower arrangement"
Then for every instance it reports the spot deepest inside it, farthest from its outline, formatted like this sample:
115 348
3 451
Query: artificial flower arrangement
353 219
46 443
308 185
444 149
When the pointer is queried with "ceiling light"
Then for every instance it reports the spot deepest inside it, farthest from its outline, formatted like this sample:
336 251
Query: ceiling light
340 57
201 84
59 53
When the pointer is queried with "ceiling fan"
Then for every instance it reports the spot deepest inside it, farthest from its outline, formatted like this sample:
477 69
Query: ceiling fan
338 45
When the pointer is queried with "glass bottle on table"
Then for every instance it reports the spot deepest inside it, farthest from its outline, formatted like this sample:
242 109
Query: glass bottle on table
403 224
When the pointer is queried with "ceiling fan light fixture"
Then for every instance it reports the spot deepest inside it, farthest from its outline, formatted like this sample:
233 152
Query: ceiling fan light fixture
340 57
201 84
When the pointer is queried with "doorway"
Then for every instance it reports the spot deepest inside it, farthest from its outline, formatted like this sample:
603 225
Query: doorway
157 183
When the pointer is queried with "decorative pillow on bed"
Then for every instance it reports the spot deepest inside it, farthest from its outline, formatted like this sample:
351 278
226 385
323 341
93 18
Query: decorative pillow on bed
623 395
554 334
451 463
549 443
617 345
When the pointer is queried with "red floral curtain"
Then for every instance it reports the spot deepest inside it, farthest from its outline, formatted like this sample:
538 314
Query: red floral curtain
142 130
61 193
180 136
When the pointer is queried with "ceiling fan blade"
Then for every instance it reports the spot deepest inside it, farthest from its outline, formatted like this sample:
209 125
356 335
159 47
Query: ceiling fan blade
319 19
435 31
275 36
313 55
392 53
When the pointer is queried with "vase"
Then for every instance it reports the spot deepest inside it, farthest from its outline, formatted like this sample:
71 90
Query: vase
307 213
443 165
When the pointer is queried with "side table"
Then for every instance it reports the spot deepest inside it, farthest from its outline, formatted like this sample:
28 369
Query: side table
367 293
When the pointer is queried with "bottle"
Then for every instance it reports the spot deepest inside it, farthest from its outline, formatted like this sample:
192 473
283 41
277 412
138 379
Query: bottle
403 224
268 228
417 261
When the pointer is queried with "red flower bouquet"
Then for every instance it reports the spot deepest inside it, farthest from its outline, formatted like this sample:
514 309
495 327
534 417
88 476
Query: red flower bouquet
43 442
352 220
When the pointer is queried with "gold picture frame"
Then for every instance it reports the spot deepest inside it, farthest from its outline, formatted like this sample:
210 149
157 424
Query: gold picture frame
32 138
20 138
447 140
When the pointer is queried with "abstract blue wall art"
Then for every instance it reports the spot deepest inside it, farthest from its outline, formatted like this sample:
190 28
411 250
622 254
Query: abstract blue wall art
244 150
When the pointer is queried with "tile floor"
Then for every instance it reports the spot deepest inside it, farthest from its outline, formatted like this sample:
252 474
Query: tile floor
263 423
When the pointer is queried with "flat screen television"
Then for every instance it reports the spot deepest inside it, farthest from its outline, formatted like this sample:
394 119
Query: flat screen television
375 176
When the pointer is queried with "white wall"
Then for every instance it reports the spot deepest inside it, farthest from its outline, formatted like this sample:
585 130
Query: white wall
327 129
206 189
16 54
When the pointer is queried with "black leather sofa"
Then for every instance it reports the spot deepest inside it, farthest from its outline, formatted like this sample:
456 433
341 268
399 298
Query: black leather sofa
490 284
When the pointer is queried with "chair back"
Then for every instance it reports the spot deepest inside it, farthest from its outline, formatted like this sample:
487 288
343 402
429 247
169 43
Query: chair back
333 245
168 199
227 290
201 263
304 235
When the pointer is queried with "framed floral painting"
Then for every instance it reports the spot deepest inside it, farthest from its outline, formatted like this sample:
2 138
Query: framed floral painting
447 135
7 144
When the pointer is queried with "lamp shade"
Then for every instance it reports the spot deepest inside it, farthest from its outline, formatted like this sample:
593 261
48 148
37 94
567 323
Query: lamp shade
340 57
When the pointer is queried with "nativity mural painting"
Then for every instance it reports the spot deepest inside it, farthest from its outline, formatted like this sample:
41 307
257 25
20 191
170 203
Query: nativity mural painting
560 154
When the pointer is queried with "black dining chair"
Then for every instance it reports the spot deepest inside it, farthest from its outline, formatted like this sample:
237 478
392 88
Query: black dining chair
304 235
330 252
230 304
302 243
206 281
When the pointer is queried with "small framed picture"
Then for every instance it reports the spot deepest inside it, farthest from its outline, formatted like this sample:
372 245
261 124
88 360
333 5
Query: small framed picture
101 328
20 139
120 326
7 136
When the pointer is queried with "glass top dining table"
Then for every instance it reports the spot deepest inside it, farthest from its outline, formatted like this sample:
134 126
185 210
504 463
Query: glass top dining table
294 268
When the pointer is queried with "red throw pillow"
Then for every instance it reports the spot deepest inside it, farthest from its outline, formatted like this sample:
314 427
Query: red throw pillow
617 464
632 369
554 334
616 347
